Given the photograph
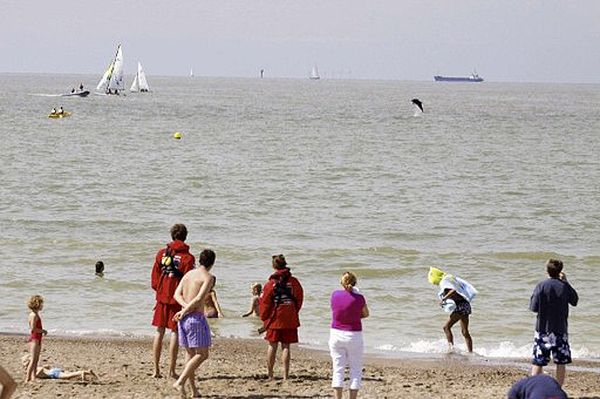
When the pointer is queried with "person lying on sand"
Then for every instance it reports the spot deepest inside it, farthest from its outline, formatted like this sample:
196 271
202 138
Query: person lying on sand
54 373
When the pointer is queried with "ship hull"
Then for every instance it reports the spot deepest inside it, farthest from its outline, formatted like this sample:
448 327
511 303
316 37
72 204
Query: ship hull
457 79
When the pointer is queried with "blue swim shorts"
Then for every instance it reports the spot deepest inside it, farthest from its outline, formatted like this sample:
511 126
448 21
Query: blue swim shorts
546 344
194 331
463 308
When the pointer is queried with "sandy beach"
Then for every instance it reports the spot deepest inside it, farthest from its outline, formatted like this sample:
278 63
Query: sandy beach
236 370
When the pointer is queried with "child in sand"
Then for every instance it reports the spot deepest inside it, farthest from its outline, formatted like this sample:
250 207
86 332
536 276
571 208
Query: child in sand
253 310
35 304
54 373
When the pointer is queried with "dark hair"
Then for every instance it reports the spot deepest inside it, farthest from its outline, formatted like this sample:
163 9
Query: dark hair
207 258
279 262
179 232
554 267
99 266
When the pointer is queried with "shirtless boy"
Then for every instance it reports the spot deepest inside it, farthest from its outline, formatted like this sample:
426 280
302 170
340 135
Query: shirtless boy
194 332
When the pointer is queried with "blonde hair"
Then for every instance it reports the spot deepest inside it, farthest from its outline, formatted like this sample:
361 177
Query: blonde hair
256 287
35 302
348 280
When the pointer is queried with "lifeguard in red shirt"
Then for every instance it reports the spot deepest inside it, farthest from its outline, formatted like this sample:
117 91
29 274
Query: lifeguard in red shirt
280 303
170 264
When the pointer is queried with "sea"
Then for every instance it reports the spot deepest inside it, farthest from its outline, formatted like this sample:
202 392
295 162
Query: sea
490 181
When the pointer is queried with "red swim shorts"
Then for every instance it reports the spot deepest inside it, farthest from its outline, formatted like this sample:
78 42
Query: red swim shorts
163 315
283 335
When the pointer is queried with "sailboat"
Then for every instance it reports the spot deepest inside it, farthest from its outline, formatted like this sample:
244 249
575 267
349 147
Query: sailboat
139 82
112 80
314 74
191 73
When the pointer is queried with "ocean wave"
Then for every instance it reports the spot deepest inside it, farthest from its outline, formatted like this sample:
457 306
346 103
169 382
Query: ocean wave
505 349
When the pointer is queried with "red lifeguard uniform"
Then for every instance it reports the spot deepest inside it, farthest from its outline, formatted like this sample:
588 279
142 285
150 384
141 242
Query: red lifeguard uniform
165 281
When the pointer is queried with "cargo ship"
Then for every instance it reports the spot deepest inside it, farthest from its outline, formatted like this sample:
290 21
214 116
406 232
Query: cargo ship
473 78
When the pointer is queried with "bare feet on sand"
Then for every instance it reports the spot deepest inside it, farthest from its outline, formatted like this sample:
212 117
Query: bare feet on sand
180 389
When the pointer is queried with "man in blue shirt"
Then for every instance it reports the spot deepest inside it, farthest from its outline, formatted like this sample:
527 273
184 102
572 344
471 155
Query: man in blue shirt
536 387
550 300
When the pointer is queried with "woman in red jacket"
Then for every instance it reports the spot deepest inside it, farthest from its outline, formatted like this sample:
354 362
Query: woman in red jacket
280 303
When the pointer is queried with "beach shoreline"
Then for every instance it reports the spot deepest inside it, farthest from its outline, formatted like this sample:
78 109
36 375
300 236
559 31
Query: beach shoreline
236 369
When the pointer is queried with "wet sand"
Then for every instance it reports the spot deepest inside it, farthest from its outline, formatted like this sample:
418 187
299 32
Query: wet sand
236 369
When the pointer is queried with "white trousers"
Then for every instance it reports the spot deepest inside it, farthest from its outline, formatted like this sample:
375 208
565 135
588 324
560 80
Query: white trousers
346 349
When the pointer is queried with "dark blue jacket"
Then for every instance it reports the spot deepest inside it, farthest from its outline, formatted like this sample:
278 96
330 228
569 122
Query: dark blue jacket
537 387
550 300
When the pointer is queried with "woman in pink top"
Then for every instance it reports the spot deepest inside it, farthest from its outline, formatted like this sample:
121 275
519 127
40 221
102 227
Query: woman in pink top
348 307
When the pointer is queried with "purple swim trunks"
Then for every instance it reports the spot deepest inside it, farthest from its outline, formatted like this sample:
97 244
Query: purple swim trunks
194 331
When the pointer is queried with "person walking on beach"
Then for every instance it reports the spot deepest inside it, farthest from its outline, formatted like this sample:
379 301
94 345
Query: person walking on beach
170 265
348 307
35 304
455 297
280 303
8 384
194 332
550 300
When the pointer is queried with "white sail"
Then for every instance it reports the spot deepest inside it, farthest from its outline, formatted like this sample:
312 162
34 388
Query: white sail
135 85
141 77
191 73
139 82
314 74
103 84
116 80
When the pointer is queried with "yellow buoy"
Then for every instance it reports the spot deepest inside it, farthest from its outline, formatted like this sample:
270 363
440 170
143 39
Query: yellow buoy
177 135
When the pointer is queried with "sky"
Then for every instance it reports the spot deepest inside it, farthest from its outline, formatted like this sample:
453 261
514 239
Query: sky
503 40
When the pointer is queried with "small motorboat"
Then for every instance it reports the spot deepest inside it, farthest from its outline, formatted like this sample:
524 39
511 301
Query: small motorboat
76 93
58 116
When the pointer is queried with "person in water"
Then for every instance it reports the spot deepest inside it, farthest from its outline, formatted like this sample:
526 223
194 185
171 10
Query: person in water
60 111
80 86
53 112
550 300
100 268
212 309
254 309
194 331
54 373
454 291
35 304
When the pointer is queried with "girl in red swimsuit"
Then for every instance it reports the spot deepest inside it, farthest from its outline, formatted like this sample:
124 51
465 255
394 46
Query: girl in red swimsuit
35 304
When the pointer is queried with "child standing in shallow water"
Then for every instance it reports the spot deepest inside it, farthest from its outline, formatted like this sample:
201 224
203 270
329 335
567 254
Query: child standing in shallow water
35 304
253 310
